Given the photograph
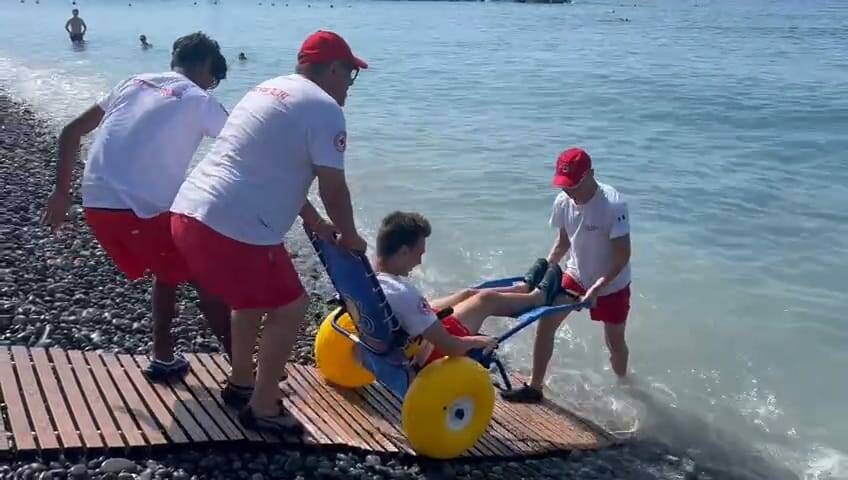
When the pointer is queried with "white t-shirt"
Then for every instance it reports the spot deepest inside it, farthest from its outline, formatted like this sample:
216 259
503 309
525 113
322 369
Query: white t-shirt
591 228
409 306
140 155
253 183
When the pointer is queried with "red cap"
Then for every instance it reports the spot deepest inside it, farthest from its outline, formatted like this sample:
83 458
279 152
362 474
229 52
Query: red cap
326 47
571 167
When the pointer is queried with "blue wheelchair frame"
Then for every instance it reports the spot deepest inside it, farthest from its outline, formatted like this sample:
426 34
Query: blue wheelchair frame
380 338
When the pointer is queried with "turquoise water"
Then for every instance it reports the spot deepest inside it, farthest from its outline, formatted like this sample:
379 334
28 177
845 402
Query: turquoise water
725 124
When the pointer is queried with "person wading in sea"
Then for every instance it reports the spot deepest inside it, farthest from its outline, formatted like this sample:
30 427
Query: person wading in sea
593 228
76 27
148 128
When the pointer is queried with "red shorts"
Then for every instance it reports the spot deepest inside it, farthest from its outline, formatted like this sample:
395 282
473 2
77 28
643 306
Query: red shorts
455 328
242 275
138 245
612 308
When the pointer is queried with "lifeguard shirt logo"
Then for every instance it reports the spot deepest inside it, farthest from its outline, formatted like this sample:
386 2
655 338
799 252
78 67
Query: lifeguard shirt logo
341 141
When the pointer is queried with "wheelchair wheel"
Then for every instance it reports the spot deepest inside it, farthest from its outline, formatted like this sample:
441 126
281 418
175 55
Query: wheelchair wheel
448 407
335 354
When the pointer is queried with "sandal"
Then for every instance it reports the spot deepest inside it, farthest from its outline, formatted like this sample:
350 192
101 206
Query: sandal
281 424
236 396
157 370
535 274
525 394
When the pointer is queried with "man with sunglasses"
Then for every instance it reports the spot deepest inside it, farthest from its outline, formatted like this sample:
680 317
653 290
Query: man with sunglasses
148 129
594 230
234 209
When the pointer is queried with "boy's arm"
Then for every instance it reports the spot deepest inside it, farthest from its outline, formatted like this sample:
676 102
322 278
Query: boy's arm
452 345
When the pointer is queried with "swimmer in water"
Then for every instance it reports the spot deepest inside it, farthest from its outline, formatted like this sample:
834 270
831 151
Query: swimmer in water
242 57
76 27
143 40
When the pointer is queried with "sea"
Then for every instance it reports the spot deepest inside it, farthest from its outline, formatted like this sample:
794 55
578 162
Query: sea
723 123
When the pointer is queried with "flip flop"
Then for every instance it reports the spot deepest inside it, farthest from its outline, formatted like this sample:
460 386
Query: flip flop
535 274
281 424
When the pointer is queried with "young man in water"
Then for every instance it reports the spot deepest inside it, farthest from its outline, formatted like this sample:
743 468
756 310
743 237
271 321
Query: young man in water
401 243
236 206
143 39
148 128
594 230
75 26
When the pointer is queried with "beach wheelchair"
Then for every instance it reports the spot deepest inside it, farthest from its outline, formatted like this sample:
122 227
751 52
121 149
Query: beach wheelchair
448 404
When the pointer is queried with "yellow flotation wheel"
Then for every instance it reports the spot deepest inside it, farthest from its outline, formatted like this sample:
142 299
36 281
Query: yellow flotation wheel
335 354
448 407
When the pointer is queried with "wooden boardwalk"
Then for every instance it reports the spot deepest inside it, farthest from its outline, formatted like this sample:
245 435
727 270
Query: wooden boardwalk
73 401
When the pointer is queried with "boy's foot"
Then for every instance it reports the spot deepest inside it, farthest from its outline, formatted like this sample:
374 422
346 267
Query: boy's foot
551 284
157 370
281 424
236 396
535 274
525 394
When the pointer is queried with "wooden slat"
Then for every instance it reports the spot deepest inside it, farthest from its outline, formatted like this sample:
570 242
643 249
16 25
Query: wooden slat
208 425
326 412
386 427
137 408
182 415
370 431
521 442
220 377
211 386
530 428
385 410
18 418
99 410
166 422
571 426
214 410
85 424
116 405
55 400
34 401
506 436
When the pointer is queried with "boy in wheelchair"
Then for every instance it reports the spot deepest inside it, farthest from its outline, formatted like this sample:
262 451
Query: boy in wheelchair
449 326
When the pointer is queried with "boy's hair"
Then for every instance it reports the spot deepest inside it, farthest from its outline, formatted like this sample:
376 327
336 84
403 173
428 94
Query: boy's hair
401 229
196 49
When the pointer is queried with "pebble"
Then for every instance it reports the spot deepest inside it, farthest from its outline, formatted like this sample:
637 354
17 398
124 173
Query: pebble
78 471
117 465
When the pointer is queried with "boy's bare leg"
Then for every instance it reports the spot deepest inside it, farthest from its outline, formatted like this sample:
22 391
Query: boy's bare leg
487 303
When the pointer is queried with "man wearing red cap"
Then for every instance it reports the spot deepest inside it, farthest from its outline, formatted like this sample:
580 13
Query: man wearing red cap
232 212
594 230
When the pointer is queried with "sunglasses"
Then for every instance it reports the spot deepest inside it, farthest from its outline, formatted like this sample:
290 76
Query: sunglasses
353 72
